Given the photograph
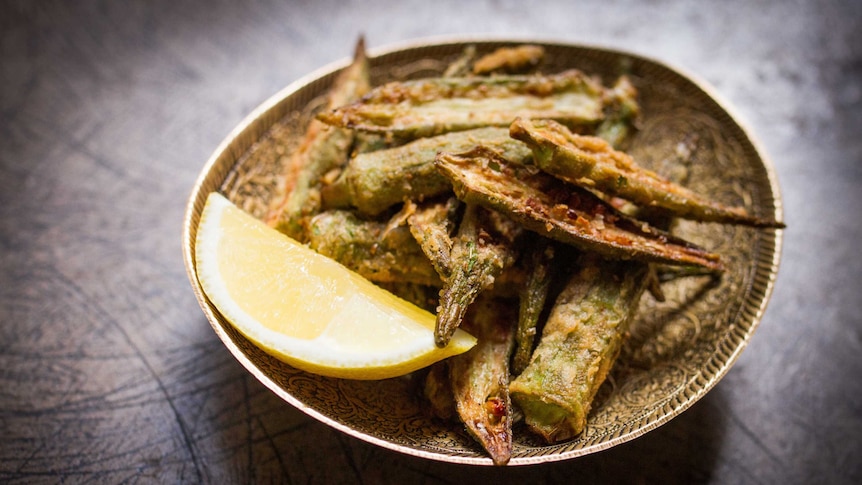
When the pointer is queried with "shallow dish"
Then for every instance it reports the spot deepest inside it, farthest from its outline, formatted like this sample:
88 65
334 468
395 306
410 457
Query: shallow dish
678 349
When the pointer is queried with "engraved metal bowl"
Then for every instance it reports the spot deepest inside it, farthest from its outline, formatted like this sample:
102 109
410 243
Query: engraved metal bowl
678 349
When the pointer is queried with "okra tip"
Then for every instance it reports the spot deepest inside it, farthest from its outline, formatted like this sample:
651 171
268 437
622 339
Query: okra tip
442 335
359 51
449 317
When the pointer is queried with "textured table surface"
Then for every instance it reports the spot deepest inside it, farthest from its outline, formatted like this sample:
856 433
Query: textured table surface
109 371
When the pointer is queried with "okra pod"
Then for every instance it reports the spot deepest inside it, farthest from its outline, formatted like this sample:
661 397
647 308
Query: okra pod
323 148
510 60
371 248
564 212
480 377
372 182
591 162
580 342
460 67
484 246
431 106
432 225
538 260
621 113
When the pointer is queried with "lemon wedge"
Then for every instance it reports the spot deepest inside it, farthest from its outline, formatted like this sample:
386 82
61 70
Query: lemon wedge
306 309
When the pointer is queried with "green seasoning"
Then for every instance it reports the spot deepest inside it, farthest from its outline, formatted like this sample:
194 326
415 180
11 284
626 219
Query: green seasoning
579 344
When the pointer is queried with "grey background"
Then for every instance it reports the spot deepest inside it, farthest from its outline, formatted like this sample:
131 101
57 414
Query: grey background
109 371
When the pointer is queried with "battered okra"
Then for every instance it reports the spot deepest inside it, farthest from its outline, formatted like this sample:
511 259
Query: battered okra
513 149
431 106
591 162
486 245
460 67
580 342
323 148
621 113
480 377
538 262
510 60
374 181
564 212
432 225
373 249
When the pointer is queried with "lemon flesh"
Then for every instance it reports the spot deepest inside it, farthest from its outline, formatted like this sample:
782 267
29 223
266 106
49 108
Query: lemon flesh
306 309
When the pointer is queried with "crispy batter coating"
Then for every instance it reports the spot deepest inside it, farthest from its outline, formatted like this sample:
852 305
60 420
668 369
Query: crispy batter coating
480 377
323 148
563 212
592 162
579 344
428 107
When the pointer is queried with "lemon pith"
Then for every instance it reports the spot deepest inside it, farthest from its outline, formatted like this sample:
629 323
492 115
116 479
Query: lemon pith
306 309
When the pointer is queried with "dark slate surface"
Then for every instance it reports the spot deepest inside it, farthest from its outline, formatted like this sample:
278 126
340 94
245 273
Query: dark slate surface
109 371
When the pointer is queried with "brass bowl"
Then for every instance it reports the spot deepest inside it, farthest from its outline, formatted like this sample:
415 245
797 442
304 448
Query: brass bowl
678 350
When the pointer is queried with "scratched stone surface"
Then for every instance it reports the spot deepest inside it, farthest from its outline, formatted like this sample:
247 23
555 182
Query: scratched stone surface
109 371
